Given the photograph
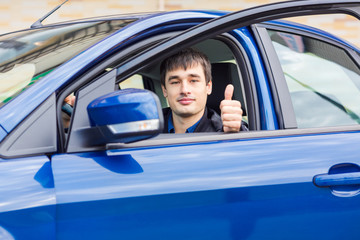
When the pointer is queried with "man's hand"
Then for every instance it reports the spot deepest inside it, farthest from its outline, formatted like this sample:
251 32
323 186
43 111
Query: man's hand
231 112
70 100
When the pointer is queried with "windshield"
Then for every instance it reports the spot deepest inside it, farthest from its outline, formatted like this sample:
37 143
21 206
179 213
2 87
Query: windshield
27 56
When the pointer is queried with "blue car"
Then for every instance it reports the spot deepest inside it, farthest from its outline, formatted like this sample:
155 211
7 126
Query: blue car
103 169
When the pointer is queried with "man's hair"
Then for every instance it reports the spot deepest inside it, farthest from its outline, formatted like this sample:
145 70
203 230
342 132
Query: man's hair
184 59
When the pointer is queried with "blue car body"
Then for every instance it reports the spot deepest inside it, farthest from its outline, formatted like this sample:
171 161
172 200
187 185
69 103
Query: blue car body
277 181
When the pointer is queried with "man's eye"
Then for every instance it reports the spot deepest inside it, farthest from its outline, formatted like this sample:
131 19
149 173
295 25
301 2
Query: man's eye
174 82
194 80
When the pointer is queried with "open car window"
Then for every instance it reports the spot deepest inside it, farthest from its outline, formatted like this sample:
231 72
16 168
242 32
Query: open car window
225 70
224 56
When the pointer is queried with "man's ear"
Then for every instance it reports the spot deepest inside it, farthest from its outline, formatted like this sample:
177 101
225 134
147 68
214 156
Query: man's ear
164 90
209 88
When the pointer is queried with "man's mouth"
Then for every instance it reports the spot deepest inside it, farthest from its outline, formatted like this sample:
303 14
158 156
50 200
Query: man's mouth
186 100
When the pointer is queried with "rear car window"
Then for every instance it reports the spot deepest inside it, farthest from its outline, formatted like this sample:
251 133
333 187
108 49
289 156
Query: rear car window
323 80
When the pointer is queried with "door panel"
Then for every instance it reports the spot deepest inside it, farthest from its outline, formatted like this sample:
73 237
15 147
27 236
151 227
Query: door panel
245 189
27 199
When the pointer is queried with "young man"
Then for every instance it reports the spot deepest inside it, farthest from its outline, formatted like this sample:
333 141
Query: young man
186 83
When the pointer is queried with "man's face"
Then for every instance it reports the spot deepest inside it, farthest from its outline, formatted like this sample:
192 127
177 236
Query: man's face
187 91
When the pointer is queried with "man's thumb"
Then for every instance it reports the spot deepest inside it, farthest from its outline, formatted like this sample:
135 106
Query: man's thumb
229 91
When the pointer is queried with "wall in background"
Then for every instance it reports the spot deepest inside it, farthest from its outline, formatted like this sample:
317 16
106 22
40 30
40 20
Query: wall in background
20 14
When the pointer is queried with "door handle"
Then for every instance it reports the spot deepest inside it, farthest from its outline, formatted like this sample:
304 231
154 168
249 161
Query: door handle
339 179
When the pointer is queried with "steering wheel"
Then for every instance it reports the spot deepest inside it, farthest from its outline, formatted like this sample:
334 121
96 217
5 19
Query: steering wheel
67 108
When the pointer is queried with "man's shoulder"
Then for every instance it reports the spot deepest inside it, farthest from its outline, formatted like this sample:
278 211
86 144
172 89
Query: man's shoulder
210 122
166 111
213 122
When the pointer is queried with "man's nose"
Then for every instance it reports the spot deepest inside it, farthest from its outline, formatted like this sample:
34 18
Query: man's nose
184 87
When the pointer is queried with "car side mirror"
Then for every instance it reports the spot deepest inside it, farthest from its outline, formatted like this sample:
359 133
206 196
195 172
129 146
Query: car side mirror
127 115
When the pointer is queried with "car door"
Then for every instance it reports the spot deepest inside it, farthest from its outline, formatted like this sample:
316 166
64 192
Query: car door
28 199
282 184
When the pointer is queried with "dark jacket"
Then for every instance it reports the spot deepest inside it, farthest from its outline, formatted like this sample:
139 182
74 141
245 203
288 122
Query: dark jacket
210 122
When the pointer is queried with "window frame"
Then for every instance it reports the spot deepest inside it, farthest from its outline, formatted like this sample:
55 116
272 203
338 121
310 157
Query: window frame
246 77
242 62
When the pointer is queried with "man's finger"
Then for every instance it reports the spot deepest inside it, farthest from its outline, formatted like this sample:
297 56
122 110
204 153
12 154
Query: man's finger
229 91
229 103
234 125
231 117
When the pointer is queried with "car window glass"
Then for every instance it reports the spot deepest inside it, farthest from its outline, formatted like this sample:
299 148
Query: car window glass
324 82
27 56
135 81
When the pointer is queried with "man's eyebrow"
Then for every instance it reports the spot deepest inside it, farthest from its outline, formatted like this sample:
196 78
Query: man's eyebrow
173 77
194 75
189 75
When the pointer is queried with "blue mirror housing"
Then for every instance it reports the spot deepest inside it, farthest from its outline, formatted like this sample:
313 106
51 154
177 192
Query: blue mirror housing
127 115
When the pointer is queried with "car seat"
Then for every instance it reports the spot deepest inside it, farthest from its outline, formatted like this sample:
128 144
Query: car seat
222 75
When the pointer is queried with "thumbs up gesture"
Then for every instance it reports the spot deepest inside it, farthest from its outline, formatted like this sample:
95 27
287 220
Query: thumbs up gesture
231 112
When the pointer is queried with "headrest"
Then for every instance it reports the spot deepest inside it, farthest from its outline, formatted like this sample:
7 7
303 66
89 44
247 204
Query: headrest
222 75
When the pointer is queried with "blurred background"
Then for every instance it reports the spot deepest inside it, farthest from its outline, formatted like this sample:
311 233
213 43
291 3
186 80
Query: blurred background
20 14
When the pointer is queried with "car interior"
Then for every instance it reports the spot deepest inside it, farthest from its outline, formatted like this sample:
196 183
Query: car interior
225 70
